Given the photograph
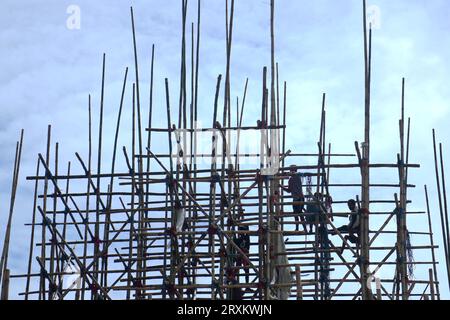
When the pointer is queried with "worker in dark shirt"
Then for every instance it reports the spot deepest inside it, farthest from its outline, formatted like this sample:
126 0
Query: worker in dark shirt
295 188
243 242
313 210
353 227
352 217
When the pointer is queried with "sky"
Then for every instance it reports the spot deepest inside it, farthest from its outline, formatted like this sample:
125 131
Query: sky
50 66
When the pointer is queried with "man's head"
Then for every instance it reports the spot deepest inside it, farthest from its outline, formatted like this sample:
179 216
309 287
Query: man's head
293 169
351 204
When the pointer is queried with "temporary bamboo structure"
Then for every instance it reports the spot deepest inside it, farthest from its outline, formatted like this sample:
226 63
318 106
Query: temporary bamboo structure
171 225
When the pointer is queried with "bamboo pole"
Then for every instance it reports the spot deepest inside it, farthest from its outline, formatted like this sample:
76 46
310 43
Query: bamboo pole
5 285
365 169
33 228
444 224
4 271
44 205
299 283
430 228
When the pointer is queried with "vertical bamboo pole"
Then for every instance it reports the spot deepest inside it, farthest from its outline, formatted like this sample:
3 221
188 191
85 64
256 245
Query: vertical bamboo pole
140 243
298 278
42 279
107 223
5 285
378 284
64 231
132 192
365 171
88 196
212 197
430 274
53 249
99 165
196 77
4 271
150 114
284 124
33 228
401 218
441 211
430 229
274 189
444 194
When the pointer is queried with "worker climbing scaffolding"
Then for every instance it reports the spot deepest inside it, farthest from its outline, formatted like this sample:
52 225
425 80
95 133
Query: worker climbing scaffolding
313 211
352 229
243 242
295 188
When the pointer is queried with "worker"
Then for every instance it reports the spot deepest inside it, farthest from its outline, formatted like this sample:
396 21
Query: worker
295 188
313 210
353 227
243 242
329 206
179 216
353 217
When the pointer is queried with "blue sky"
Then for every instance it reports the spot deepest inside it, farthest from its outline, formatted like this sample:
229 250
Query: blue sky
48 70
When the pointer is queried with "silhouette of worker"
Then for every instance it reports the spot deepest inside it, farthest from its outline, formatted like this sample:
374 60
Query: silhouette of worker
295 188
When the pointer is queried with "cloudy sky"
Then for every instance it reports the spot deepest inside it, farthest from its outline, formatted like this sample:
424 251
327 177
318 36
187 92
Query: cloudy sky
48 70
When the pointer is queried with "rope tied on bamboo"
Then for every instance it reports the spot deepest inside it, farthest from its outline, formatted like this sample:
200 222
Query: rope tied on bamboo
172 232
64 257
96 240
53 287
54 240
137 283
215 178
262 284
224 201
171 182
262 232
261 124
48 222
213 230
94 288
223 253
48 174
43 273
231 274
410 255
399 212
275 198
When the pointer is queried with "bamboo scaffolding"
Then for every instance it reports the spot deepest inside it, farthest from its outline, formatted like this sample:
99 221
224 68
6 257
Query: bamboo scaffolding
167 226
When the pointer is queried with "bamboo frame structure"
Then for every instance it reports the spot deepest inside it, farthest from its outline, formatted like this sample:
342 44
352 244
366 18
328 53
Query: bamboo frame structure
167 226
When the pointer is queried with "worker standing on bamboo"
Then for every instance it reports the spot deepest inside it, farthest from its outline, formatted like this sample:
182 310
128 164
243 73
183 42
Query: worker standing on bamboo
314 211
353 227
295 188
243 242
